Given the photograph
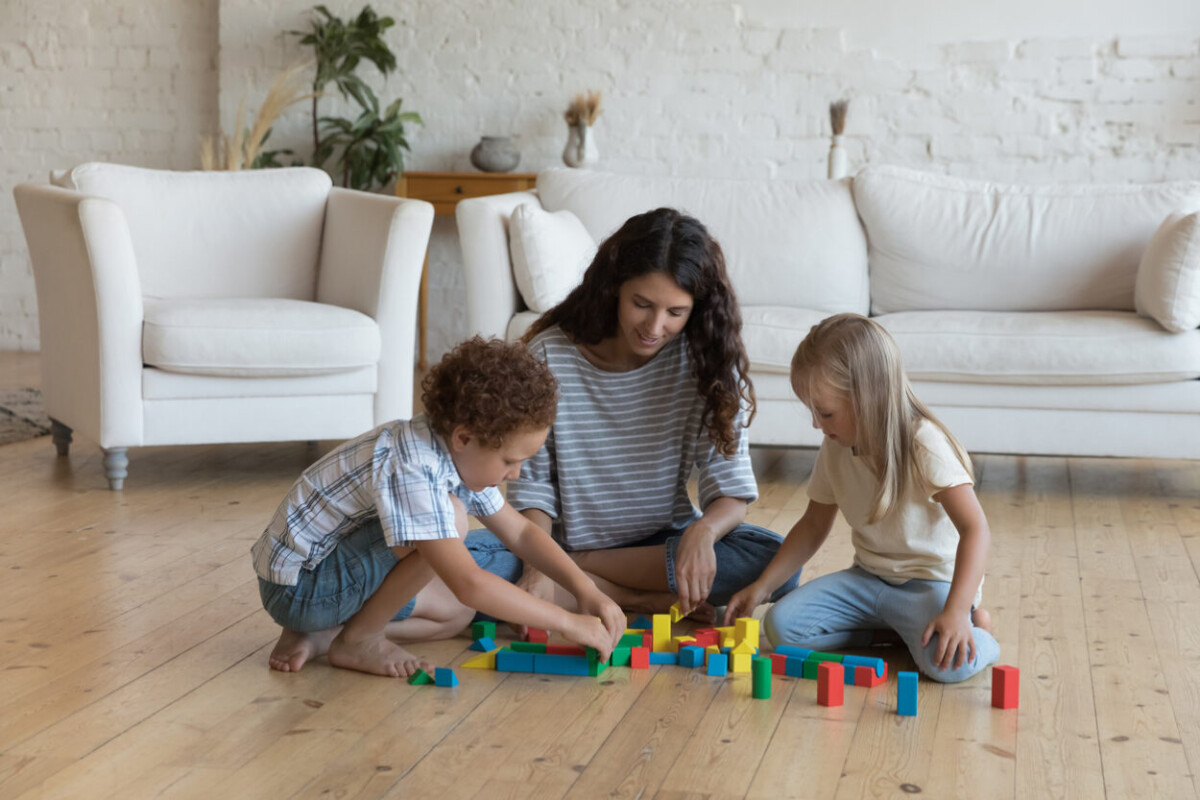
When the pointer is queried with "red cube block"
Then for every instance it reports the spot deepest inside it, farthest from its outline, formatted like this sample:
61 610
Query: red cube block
536 635
1006 683
778 664
639 658
865 676
831 682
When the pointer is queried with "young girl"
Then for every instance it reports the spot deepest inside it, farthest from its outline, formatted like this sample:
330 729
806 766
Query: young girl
904 484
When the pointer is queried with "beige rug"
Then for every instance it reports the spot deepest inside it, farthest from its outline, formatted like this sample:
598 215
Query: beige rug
21 416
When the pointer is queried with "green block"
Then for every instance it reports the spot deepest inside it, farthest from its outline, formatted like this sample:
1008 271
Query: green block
630 640
760 676
528 647
420 678
815 656
621 657
810 669
483 630
595 665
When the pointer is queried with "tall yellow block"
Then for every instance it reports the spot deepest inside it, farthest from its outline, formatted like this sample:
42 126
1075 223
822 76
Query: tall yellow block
661 633
746 629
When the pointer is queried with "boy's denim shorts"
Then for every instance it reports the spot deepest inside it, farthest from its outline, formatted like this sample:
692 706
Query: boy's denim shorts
332 593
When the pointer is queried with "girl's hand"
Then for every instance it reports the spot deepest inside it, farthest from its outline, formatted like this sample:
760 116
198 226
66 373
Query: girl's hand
744 602
598 604
588 631
695 568
956 638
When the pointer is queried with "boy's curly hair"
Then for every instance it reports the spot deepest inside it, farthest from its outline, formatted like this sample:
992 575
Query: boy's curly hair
491 387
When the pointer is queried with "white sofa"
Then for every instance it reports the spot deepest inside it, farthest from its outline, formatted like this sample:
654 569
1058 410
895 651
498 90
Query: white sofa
1014 306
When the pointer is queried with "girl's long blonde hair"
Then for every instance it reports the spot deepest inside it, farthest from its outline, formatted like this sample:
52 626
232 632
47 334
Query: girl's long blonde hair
855 357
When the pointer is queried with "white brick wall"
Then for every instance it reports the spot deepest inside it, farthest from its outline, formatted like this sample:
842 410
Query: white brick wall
733 89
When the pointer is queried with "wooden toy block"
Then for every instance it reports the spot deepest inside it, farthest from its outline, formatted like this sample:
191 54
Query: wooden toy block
528 647
631 640
745 647
816 656
536 635
741 662
831 683
483 630
483 645
745 629
726 630
778 664
420 678
565 650
681 642
642 623
718 664
483 661
760 677
596 665
661 632
545 664
810 669
865 676
676 612
712 648
1006 686
639 658
620 657
663 657
691 656
793 666
648 641
727 641
706 636
793 651
876 664
445 677
514 661
906 694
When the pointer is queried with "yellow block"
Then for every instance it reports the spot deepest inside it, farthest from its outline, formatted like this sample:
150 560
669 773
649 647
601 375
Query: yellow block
482 661
661 633
728 641
744 647
746 628
676 612
741 662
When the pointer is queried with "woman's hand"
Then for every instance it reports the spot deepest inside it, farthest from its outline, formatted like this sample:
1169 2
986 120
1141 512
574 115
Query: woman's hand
744 602
598 604
956 638
695 567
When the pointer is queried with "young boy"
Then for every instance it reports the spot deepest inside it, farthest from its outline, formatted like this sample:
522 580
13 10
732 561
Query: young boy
365 528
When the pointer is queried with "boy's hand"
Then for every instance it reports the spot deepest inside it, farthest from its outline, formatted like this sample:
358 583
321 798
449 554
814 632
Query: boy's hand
539 585
598 604
744 602
956 638
588 631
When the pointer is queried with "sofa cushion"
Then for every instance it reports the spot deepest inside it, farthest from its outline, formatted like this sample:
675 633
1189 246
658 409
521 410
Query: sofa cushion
1168 279
786 243
939 243
218 234
1051 348
772 334
550 252
256 337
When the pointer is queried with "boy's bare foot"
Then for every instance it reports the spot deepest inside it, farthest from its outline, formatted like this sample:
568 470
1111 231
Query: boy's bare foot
295 649
981 619
376 655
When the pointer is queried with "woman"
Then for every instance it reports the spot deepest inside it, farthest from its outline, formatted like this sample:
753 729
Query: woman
652 374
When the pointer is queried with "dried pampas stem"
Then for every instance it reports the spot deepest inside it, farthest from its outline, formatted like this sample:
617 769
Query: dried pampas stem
837 116
222 151
584 109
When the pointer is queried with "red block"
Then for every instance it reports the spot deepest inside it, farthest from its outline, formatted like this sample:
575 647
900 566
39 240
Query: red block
778 664
831 682
536 635
648 641
1006 683
706 637
639 658
865 676
565 650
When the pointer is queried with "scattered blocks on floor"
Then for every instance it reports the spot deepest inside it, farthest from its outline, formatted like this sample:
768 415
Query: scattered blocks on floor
718 664
420 678
906 694
483 644
1006 686
483 630
445 677
831 683
760 677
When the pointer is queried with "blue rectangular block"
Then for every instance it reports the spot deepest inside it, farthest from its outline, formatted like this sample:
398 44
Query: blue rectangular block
555 664
794 667
691 656
906 694
864 661
512 661
790 651
718 664
664 658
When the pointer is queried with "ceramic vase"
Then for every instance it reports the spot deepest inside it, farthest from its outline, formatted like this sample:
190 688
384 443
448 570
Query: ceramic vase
581 147
837 159
495 154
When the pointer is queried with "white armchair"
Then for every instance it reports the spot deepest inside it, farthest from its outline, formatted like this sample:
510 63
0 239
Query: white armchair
206 307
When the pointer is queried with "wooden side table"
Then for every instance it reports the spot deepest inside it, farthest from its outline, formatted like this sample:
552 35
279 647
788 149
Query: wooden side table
444 190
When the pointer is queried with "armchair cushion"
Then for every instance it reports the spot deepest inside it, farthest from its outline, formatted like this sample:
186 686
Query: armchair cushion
1168 279
257 337
550 252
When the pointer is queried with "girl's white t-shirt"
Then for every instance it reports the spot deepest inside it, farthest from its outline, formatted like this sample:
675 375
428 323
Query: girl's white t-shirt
917 539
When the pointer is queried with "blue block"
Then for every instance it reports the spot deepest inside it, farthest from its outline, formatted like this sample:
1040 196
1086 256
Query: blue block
484 645
792 651
556 664
864 661
691 656
794 667
848 674
664 658
718 664
445 677
643 623
512 661
906 694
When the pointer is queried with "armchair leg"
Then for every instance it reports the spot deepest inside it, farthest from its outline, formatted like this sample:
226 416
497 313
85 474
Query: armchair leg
61 435
115 467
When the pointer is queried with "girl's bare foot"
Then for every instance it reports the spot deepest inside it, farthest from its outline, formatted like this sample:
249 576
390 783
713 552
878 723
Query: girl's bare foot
981 619
376 655
295 649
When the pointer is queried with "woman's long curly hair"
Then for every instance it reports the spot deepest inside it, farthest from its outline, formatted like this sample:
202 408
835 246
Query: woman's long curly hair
667 241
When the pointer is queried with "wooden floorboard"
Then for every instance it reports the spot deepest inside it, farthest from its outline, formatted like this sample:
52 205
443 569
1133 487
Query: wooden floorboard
133 657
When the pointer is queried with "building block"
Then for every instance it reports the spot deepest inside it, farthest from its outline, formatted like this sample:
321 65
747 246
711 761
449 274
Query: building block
745 629
718 664
445 677
420 678
642 623
663 657
741 662
1006 686
676 612
866 677
847 674
483 661
547 664
794 666
691 656
639 658
528 647
683 641
483 630
792 651
514 661
778 664
483 645
648 640
760 678
831 683
906 694
810 669
631 640
661 631
620 657
876 664
596 665
536 635
707 636
816 656
712 648
565 650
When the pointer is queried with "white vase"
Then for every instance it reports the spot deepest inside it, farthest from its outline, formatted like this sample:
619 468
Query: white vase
837 159
581 147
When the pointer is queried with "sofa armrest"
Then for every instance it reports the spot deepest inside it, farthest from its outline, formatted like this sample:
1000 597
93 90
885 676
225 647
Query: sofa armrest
372 255
89 312
492 296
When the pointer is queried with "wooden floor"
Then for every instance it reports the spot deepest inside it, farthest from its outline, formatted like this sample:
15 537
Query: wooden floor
133 656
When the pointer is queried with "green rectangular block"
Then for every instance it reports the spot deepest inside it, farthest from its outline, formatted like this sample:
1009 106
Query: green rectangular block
482 630
621 656
528 647
630 640
815 656
810 669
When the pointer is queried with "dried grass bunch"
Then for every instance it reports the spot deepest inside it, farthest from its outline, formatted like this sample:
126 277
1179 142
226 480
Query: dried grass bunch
241 150
583 109
837 116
